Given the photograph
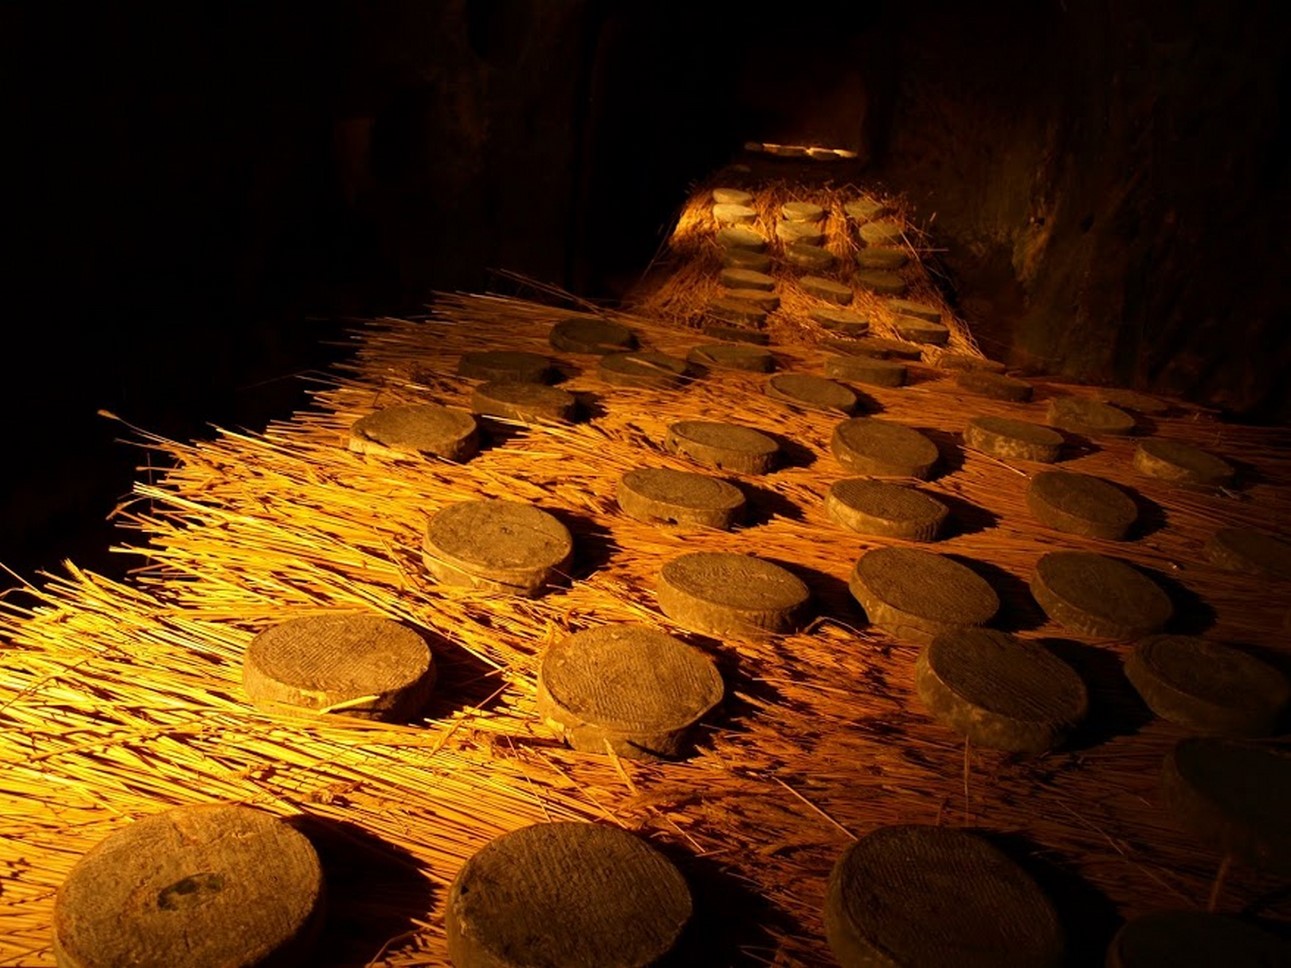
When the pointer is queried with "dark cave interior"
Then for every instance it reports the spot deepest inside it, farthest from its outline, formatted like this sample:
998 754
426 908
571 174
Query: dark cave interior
199 196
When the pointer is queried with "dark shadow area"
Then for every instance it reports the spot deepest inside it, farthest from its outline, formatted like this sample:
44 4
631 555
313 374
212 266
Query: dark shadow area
462 681
593 545
1115 708
792 453
376 892
830 596
1246 476
1074 445
965 516
589 407
950 450
1152 516
1018 609
762 504
1192 613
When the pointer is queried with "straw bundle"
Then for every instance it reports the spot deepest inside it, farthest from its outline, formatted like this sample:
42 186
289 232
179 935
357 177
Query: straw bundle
120 700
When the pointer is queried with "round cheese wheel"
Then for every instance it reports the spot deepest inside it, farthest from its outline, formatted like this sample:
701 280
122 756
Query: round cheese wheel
505 365
882 232
802 212
919 310
961 361
660 495
626 687
866 369
1098 595
740 237
523 402
595 336
733 310
913 895
866 209
999 691
725 213
885 510
1209 687
1083 416
558 895
1194 939
877 347
1171 460
881 257
208 886
766 301
1013 439
425 428
811 257
731 196
917 595
870 446
921 331
805 233
812 393
1132 400
826 289
880 280
362 665
736 278
994 385
1240 549
643 370
847 321
726 356
1235 795
746 259
1081 504
739 333
497 546
725 446
720 594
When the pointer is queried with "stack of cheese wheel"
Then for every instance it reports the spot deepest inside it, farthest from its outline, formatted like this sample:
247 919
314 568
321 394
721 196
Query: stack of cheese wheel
497 546
204 887
559 895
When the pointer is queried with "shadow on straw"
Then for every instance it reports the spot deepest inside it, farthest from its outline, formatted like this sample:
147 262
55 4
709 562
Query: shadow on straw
950 455
1115 708
763 504
965 517
1151 517
594 546
375 891
830 596
1192 613
1018 609
463 682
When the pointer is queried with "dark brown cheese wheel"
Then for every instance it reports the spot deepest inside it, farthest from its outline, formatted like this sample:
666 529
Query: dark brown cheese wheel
812 393
875 447
999 691
1097 595
885 510
917 595
766 301
801 212
880 280
847 321
878 348
1138 402
725 213
662 495
1195 939
866 369
731 196
881 257
800 233
881 232
644 370
361 665
1083 416
627 688
523 402
934 897
596 336
866 209
497 546
565 895
740 237
826 289
505 365
732 310
424 428
961 361
725 446
994 385
740 333
1081 504
211 886
1181 463
746 259
921 330
811 257
919 310
725 356
1208 687
719 594
1013 439
1235 795
737 278
1239 549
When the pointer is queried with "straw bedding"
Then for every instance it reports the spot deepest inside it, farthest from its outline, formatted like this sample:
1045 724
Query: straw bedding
117 701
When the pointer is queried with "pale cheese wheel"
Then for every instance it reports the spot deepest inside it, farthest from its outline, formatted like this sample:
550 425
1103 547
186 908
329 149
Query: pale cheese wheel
594 336
847 321
766 301
505 365
881 281
881 257
1013 439
732 310
866 369
994 385
921 331
1081 504
425 428
806 256
735 258
718 593
876 447
1181 463
497 546
661 495
886 510
1241 549
916 595
736 278
726 213
801 212
731 196
882 232
812 393
724 446
919 310
740 237
725 356
523 402
643 370
866 209
1097 595
1083 416
800 233
827 289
